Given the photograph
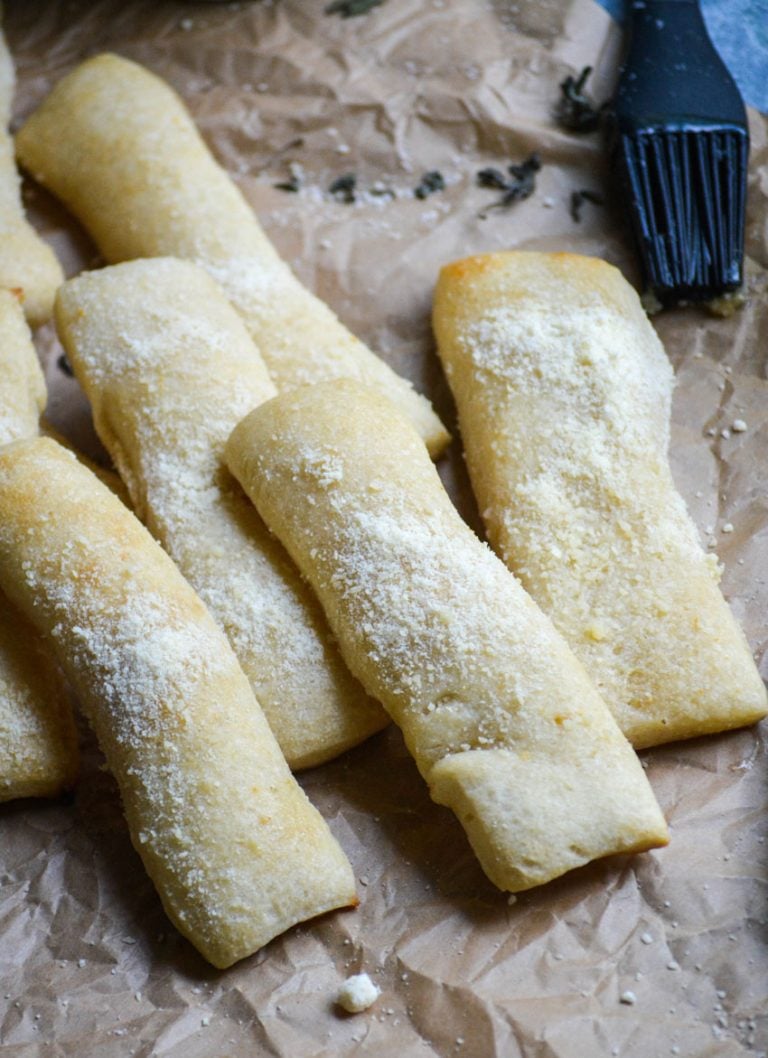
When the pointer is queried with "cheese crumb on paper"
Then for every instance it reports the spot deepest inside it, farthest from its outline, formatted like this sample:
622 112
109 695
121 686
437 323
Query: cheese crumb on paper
357 993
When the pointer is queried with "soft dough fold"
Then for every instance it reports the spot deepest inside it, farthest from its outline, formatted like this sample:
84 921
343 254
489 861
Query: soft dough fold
501 719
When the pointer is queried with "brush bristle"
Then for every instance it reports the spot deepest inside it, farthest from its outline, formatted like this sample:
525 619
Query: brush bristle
687 188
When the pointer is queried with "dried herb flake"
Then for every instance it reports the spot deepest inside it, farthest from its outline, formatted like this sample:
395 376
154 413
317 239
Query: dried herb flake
578 198
351 8
294 181
343 187
64 366
520 184
292 184
430 182
576 111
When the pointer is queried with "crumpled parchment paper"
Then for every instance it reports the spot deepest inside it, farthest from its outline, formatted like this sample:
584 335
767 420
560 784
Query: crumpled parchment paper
88 961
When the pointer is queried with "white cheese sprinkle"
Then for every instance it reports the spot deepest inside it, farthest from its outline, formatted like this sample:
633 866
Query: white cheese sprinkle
357 993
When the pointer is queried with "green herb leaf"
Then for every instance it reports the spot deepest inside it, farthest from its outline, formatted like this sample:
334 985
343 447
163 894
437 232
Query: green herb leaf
578 198
576 111
492 178
430 182
343 187
351 8
520 184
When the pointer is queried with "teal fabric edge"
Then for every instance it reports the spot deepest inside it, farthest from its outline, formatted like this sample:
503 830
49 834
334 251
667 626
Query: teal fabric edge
739 30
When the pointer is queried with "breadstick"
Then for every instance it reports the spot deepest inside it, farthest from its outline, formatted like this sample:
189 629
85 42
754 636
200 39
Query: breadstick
234 848
38 742
109 477
134 169
169 369
38 746
27 264
564 394
501 719
22 386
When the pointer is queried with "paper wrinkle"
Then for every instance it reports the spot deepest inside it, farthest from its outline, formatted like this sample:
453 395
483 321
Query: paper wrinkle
89 963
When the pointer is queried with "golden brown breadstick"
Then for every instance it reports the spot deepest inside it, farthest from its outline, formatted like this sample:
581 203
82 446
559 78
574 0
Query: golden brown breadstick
136 172
169 369
110 477
27 264
234 848
564 393
38 745
38 742
502 720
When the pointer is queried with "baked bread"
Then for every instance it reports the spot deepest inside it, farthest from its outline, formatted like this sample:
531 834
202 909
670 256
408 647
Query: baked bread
564 392
27 264
107 475
169 369
38 744
501 719
232 844
134 169
22 386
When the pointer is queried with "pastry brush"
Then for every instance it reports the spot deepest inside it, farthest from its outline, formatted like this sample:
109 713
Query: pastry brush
682 145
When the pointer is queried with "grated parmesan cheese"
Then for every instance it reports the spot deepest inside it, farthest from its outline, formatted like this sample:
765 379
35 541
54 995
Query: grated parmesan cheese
357 994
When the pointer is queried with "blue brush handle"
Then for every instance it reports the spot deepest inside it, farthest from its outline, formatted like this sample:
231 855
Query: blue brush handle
672 74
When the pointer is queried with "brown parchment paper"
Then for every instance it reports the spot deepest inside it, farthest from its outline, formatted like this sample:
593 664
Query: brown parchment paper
89 963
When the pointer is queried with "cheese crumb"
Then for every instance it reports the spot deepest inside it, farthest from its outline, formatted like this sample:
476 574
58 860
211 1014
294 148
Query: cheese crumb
738 426
596 631
629 998
357 993
728 527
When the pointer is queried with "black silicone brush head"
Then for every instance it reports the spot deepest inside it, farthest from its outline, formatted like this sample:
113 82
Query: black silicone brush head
682 147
